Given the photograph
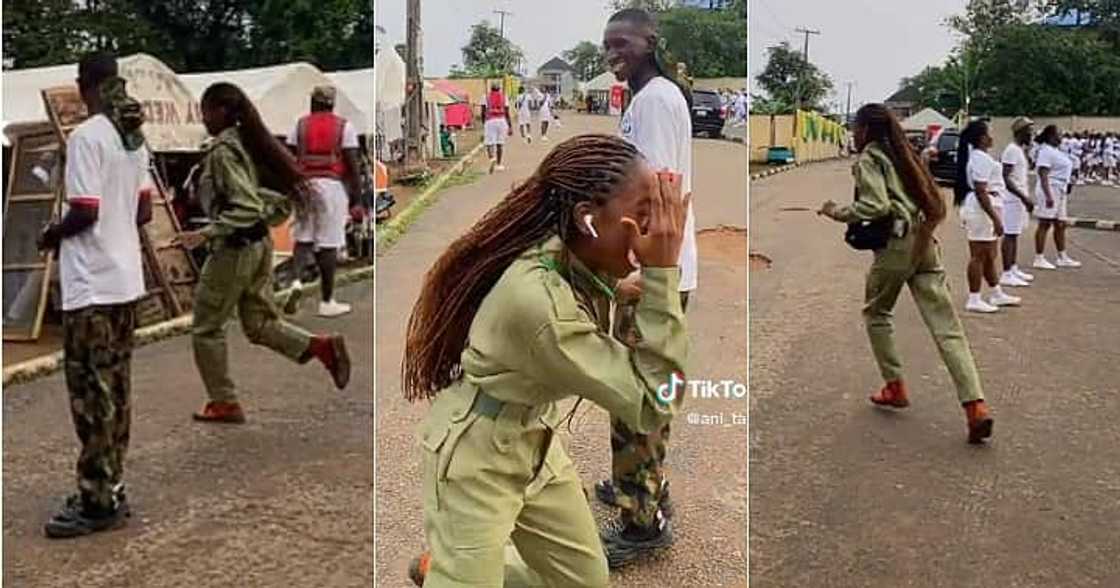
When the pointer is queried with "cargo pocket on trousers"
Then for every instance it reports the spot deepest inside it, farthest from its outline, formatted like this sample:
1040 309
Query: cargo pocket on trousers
432 441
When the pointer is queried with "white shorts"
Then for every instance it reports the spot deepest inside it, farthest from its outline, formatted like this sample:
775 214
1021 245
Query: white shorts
977 224
325 223
1015 217
495 131
1056 212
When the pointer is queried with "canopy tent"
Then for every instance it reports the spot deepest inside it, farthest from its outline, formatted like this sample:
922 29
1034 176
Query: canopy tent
282 93
174 122
922 120
389 76
356 84
602 83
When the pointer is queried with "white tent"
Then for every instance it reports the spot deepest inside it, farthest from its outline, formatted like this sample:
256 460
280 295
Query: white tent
389 75
174 122
358 85
602 83
922 120
282 93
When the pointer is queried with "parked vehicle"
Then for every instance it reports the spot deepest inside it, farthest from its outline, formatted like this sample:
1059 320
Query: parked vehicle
779 156
707 114
943 156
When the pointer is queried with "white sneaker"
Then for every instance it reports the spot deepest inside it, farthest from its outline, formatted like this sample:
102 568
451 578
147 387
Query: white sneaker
1022 275
545 139
1106 183
1040 262
1010 279
978 305
1004 299
499 167
1066 261
333 308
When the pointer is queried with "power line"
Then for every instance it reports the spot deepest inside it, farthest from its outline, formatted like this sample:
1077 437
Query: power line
807 33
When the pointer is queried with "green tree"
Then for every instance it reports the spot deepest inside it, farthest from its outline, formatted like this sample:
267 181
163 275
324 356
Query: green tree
788 77
650 5
713 43
587 59
487 54
1105 15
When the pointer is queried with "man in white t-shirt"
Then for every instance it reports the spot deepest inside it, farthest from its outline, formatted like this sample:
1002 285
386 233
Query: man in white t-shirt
657 121
326 146
1017 203
543 112
523 104
108 196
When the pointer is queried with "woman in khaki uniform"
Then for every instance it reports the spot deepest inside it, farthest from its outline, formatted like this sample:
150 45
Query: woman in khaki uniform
892 182
514 318
243 158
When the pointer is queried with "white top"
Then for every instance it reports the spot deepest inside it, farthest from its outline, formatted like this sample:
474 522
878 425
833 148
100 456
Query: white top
658 123
1014 156
523 113
982 168
544 106
1060 166
102 265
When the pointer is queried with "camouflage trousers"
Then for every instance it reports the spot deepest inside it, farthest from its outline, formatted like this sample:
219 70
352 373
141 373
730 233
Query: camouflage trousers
637 460
98 356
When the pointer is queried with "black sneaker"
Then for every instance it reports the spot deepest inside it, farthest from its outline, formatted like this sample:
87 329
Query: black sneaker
606 492
74 501
74 521
626 544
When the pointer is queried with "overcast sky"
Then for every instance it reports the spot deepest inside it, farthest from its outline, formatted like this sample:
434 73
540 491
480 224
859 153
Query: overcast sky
542 29
873 43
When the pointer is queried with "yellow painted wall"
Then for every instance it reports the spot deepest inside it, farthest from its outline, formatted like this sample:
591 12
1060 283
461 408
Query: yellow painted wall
778 131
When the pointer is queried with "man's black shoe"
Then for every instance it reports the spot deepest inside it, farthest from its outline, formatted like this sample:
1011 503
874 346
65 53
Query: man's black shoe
606 492
74 501
625 544
75 521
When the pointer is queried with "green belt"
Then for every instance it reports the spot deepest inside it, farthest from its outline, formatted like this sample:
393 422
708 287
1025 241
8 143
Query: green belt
486 405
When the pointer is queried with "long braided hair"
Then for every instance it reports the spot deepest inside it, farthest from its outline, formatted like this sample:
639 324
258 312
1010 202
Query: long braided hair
883 128
584 168
276 166
969 140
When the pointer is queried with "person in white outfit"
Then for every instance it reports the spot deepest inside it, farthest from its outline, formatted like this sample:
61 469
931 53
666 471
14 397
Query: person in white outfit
524 115
1055 170
544 112
978 193
1017 205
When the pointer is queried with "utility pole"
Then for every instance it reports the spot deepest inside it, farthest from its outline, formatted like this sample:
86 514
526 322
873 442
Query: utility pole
807 32
502 28
805 54
848 110
414 83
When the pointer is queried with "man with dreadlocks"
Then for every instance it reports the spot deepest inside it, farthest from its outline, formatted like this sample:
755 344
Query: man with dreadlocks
107 199
514 318
658 123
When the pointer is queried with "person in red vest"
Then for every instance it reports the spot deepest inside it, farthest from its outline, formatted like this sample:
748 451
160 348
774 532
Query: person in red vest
326 146
497 126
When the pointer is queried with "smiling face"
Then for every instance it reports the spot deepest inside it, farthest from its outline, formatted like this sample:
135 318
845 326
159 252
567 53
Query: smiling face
627 48
610 252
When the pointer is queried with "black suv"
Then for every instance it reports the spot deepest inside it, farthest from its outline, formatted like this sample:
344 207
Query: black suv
707 113
943 159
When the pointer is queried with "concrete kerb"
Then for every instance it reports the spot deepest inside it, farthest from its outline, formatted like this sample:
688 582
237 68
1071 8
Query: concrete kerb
775 170
40 367
388 233
1094 224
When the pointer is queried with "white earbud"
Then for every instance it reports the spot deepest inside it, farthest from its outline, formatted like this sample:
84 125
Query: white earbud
590 227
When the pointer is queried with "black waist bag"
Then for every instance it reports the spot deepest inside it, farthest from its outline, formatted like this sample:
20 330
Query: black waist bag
870 235
247 236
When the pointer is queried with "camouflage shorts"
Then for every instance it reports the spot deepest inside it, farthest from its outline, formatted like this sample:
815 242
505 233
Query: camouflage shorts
98 354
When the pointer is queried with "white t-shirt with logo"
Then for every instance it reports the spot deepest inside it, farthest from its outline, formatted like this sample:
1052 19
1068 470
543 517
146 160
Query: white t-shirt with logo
982 168
102 265
1014 156
659 124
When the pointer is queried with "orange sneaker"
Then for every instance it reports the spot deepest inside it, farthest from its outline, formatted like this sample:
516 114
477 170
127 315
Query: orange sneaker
979 421
221 412
892 394
418 568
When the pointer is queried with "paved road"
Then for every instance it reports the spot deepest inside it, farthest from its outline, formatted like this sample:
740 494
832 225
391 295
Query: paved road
708 465
843 494
1096 202
281 501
